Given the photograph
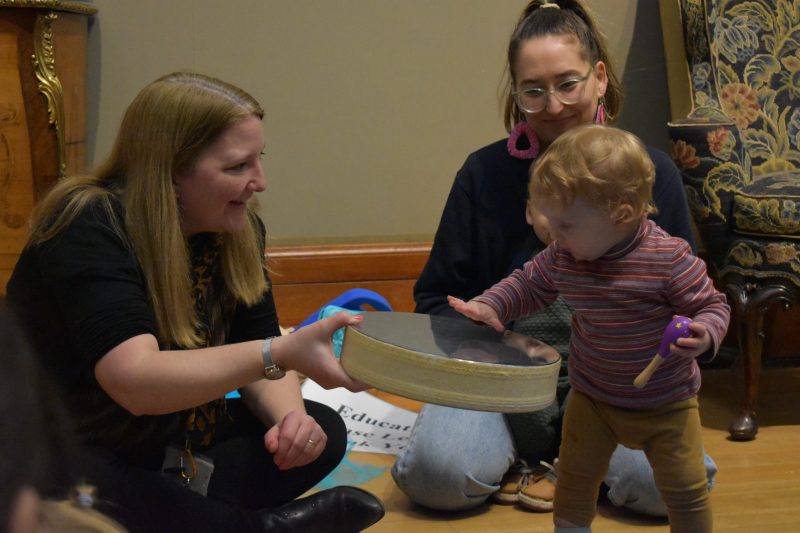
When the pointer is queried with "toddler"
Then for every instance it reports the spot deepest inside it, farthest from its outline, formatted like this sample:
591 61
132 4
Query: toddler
625 278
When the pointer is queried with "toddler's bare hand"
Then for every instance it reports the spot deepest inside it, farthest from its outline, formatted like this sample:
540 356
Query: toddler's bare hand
694 346
477 311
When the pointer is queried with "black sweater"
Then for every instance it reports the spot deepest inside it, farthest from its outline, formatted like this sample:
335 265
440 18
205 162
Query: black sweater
483 234
80 294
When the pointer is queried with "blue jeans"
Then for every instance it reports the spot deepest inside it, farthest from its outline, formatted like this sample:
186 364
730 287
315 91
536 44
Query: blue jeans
456 458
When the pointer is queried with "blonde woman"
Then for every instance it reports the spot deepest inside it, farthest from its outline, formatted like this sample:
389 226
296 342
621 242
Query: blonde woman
145 291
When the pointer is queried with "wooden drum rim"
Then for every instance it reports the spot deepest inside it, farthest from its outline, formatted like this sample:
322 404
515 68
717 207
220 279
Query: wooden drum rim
448 381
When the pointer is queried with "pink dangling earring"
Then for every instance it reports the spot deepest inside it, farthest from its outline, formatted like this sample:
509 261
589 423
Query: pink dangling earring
600 115
533 141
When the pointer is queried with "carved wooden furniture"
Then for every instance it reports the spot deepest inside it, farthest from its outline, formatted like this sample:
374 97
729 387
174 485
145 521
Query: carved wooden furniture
42 109
733 67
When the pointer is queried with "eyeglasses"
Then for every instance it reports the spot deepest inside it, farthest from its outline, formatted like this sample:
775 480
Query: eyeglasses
568 92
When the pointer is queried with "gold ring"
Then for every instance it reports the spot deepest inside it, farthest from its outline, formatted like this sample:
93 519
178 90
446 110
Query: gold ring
310 442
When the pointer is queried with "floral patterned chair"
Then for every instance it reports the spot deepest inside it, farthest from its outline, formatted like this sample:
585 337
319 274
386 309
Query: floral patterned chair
739 151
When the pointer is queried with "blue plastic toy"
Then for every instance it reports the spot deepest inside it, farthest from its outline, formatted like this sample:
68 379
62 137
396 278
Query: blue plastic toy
355 300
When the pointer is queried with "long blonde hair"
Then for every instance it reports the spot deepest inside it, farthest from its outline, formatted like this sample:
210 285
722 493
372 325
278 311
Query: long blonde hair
169 123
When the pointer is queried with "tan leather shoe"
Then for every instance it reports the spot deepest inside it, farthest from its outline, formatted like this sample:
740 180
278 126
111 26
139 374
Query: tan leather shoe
539 493
512 483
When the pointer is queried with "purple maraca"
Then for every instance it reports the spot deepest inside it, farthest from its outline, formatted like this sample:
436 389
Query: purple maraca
678 328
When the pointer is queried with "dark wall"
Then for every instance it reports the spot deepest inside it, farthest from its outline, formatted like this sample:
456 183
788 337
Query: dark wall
646 109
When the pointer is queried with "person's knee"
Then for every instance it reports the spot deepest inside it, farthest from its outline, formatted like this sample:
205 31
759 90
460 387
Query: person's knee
631 484
440 484
465 493
444 467
686 498
335 430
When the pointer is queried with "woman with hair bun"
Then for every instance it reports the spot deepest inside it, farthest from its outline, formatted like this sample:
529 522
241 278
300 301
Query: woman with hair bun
559 75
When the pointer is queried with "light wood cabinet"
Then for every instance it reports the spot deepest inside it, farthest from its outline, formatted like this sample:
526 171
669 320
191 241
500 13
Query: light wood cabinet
43 64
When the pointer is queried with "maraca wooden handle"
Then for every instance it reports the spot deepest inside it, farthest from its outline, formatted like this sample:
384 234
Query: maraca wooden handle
642 379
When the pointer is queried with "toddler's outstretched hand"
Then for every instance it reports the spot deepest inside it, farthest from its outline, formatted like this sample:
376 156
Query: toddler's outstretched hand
694 346
477 311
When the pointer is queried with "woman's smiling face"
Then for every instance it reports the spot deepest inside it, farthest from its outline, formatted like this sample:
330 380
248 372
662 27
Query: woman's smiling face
213 193
548 61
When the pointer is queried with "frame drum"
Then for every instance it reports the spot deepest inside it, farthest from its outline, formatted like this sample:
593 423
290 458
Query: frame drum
451 361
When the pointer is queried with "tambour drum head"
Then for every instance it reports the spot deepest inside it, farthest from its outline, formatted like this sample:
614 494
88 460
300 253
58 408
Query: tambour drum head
451 361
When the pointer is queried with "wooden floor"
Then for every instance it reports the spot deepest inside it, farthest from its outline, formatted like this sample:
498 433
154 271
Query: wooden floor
757 487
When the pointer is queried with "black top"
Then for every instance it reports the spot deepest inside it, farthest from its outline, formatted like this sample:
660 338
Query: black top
82 293
483 234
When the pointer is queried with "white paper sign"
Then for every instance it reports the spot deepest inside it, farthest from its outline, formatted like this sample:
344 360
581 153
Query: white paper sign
373 425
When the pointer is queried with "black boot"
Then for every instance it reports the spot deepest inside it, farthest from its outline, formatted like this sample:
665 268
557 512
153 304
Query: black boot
336 510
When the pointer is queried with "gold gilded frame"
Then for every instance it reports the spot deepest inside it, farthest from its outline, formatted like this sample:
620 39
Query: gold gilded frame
44 62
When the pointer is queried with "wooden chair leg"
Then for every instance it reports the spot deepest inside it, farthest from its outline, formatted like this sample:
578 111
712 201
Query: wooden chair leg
749 323
750 300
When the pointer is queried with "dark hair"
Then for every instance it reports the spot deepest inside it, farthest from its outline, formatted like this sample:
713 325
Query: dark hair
570 18
34 443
